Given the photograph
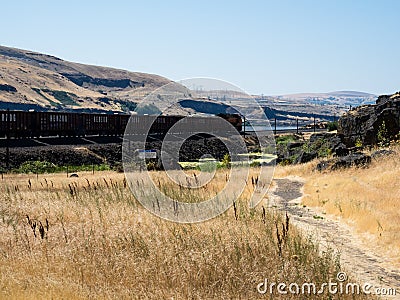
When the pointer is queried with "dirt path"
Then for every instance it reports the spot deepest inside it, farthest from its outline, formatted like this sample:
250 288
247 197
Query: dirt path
356 257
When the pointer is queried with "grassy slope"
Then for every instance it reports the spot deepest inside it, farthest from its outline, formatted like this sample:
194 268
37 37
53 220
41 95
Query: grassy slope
25 70
25 77
102 244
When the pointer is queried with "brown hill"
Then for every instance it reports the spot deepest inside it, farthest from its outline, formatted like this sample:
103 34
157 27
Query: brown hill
43 81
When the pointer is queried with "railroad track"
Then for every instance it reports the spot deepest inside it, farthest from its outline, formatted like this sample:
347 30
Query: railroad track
96 139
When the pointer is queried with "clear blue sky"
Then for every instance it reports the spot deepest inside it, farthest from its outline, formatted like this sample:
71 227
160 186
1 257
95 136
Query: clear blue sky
270 47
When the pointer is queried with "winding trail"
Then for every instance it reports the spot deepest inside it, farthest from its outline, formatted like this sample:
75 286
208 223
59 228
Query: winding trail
355 256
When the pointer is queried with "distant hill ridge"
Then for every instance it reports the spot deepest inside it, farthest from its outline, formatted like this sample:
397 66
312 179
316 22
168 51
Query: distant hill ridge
31 80
351 94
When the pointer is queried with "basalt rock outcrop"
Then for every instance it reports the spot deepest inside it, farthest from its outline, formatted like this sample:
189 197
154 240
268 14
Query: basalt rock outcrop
355 159
369 124
318 146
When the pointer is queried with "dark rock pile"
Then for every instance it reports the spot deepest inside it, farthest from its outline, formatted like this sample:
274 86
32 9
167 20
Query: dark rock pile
355 159
110 154
320 145
327 145
381 153
369 123
63 155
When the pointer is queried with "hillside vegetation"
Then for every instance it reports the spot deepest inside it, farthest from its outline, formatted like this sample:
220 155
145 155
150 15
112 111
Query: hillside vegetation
42 81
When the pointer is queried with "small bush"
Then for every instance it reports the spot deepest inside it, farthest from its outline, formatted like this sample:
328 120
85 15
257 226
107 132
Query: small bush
285 139
226 161
118 167
359 143
286 162
324 151
39 167
331 126
383 136
208 166
151 165
62 96
148 109
255 164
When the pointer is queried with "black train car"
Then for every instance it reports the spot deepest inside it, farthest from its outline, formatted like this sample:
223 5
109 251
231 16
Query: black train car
23 124
7 122
16 124
234 119
30 124
144 124
53 124
162 124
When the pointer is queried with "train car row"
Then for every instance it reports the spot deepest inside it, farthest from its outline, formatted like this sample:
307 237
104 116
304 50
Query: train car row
24 124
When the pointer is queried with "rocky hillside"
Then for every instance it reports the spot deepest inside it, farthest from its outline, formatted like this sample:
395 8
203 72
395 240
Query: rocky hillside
372 124
34 80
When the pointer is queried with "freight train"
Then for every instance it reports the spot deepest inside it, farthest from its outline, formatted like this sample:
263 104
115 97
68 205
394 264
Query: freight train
34 124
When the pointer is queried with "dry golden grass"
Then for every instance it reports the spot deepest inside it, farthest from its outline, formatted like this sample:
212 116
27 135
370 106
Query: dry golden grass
365 198
100 243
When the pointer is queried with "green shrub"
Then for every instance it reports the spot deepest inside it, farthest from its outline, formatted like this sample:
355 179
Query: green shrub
286 162
383 136
226 161
270 149
208 166
359 143
324 151
62 96
127 105
36 166
118 167
255 164
148 109
332 126
285 139
41 167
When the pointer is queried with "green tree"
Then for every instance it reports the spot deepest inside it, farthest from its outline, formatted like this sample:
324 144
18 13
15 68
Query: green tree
332 126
